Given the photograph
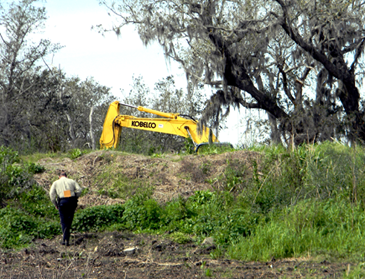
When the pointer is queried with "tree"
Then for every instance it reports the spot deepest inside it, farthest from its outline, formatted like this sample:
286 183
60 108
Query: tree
85 111
69 114
41 109
19 67
169 99
300 61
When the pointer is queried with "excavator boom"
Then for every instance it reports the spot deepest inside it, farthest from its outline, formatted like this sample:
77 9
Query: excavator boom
168 123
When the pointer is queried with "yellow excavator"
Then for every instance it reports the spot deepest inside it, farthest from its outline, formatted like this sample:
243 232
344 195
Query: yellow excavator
168 123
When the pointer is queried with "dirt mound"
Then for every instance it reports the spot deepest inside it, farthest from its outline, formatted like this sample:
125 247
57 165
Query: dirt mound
170 176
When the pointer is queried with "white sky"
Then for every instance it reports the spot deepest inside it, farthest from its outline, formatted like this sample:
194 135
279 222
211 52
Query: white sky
111 61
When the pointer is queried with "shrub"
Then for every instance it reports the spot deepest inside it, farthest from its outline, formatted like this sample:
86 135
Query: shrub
142 215
75 153
14 177
189 146
36 202
176 210
34 168
17 228
7 157
180 237
98 217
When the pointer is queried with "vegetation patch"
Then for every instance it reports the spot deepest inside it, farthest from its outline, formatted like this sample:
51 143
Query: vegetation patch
277 205
115 184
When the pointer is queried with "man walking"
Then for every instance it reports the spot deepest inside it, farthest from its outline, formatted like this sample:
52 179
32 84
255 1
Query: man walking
64 194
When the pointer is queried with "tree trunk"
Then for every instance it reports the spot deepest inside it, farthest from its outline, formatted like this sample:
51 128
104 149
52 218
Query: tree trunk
91 128
71 130
275 133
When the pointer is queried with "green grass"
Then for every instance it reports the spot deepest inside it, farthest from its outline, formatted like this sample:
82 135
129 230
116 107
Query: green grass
35 157
117 185
72 154
354 272
215 148
330 227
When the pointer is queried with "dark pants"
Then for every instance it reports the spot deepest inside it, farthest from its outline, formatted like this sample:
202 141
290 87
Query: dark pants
66 208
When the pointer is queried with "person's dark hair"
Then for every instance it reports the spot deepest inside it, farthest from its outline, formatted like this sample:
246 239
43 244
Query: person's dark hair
63 173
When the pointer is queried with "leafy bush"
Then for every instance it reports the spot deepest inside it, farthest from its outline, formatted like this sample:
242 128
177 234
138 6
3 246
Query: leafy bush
49 229
98 217
7 157
34 168
140 214
219 215
176 211
189 146
14 177
17 228
36 202
75 153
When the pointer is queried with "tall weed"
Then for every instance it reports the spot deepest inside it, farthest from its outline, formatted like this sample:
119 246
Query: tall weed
332 227
323 171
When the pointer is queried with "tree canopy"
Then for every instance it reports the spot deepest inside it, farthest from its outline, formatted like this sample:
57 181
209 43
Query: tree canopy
300 61
41 109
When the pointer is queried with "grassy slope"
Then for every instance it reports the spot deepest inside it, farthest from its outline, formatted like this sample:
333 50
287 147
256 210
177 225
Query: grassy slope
280 204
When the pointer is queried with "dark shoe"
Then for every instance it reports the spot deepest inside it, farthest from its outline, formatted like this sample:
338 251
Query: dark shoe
65 243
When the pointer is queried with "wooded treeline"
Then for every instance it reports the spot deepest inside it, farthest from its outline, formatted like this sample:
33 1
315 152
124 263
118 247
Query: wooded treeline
300 61
44 110
41 109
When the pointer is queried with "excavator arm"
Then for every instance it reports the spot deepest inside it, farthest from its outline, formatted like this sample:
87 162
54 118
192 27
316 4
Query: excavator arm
168 123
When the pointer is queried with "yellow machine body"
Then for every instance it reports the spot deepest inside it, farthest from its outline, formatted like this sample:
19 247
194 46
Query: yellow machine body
168 123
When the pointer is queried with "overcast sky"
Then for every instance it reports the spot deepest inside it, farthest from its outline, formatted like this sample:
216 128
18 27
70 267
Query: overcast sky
111 61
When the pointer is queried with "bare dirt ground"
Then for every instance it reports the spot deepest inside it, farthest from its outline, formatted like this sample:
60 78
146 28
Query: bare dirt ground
127 255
